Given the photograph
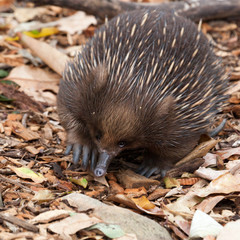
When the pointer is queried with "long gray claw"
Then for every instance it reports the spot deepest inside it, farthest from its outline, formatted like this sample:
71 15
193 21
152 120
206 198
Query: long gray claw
77 149
102 165
147 171
142 170
85 157
218 129
150 171
68 149
93 159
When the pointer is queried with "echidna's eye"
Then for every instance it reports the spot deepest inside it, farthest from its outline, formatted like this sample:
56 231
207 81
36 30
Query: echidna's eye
98 136
122 144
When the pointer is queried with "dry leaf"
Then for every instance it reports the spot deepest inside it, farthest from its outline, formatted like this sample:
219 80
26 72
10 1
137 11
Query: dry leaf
50 216
123 199
76 23
115 187
225 154
14 117
188 181
200 151
209 203
35 81
26 14
73 224
185 203
21 131
51 56
24 172
230 231
209 174
43 195
210 160
130 179
135 192
203 225
145 205
160 192
226 183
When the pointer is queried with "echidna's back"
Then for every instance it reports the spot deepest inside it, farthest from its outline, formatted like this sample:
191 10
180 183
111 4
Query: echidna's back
151 55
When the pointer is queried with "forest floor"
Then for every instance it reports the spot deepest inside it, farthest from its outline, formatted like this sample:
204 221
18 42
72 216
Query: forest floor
38 186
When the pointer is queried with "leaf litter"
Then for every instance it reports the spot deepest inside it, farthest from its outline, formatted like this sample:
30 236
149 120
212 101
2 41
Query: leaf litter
35 176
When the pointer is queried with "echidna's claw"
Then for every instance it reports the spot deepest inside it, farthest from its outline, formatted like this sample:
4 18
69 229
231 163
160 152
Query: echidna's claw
93 159
85 157
147 170
87 153
142 169
68 149
150 171
77 150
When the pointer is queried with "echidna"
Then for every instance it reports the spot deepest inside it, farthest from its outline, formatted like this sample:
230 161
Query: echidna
147 79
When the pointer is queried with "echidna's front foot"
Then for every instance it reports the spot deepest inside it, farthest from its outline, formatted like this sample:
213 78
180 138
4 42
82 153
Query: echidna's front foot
88 155
147 170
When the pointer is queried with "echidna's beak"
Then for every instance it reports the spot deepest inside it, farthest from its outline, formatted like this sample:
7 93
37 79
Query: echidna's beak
103 163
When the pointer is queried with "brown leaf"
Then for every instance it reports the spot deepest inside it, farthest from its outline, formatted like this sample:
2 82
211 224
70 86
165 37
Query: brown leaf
50 216
35 82
200 151
209 203
73 224
160 192
225 154
226 183
135 192
115 187
21 131
123 199
130 179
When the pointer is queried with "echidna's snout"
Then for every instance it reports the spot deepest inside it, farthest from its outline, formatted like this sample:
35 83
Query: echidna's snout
103 163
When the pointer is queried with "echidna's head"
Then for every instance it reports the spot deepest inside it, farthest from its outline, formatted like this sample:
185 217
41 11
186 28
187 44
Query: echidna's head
117 128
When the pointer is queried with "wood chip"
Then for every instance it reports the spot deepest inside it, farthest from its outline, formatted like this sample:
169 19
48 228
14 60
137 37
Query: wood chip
160 192
32 150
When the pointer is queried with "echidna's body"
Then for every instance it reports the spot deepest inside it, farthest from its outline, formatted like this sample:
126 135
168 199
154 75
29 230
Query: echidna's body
147 80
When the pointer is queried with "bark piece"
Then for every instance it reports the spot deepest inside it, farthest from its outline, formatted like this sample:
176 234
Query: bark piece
193 9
